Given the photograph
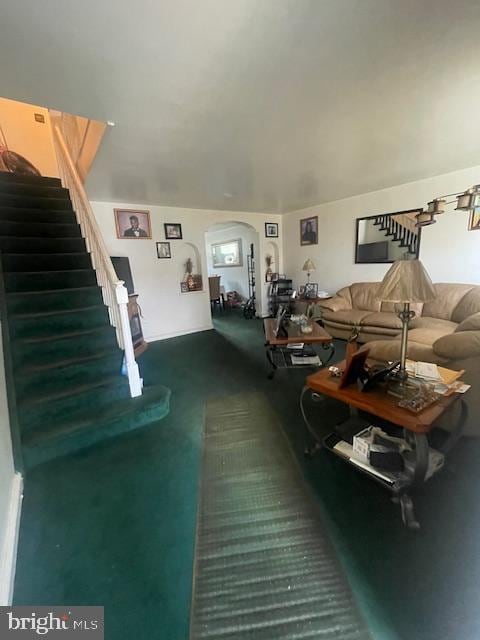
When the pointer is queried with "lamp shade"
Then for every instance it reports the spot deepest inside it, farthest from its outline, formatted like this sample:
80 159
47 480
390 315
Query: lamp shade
406 281
309 265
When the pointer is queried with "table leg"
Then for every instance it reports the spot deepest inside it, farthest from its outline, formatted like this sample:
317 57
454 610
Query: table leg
420 466
331 347
268 353
310 451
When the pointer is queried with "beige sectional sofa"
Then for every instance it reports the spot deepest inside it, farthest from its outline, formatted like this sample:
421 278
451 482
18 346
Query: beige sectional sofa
445 331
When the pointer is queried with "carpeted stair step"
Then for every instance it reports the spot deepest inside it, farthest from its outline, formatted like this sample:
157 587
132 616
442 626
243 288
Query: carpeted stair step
40 229
15 214
38 301
41 245
19 262
37 351
6 178
116 418
60 375
54 323
70 403
12 200
39 190
49 280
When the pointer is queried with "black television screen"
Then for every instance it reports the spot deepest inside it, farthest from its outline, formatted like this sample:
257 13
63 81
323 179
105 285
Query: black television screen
123 271
372 252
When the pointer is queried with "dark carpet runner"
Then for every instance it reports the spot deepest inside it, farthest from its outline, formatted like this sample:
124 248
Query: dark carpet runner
264 566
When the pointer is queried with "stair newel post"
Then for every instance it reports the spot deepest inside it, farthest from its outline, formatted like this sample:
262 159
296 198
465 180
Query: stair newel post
133 372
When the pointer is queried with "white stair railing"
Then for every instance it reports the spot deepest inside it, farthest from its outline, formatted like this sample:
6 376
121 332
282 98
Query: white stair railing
114 292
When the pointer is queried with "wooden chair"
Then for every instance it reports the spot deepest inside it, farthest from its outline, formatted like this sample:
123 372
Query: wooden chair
215 295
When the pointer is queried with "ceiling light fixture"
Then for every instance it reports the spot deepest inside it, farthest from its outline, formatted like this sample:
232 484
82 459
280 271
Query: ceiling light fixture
467 200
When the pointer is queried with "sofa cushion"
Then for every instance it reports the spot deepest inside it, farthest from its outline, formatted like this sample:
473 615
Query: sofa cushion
350 317
382 319
458 345
364 296
427 335
448 297
468 305
426 322
472 323
396 307
389 351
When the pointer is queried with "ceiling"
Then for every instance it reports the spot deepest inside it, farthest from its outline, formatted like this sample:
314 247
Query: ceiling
254 105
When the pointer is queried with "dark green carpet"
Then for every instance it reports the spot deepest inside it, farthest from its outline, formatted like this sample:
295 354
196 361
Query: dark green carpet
264 567
115 525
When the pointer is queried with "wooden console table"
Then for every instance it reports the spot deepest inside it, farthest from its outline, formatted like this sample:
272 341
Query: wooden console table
377 403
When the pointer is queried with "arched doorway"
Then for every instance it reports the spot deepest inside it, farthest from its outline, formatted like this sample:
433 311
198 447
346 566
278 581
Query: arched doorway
228 250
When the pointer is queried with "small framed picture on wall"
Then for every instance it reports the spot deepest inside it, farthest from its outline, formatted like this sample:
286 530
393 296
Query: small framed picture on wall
271 230
163 250
132 224
309 231
173 231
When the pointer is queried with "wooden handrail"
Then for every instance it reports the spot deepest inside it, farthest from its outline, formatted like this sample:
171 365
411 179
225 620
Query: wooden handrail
114 292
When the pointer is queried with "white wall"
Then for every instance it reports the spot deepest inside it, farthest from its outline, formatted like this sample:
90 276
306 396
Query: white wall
232 278
448 250
10 493
24 135
166 311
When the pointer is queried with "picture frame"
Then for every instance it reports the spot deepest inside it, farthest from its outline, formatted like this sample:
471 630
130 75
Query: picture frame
173 231
309 231
227 254
163 250
474 220
311 290
271 229
184 287
133 224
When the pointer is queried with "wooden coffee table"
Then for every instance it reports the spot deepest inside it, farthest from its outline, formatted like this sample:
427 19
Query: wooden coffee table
279 354
377 403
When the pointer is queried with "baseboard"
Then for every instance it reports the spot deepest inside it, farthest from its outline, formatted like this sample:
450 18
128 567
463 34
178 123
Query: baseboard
8 559
176 334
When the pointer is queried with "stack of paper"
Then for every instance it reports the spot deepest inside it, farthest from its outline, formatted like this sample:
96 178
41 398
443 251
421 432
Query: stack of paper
425 370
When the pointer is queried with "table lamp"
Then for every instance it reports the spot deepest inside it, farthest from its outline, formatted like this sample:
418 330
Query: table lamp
308 266
405 282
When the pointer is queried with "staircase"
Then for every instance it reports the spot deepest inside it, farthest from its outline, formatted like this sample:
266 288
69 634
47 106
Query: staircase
400 229
61 355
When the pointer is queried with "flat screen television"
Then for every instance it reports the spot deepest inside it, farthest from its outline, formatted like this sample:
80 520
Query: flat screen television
372 252
121 265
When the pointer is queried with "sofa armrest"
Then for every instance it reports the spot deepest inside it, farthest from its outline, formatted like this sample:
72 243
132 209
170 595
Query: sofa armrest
337 303
463 344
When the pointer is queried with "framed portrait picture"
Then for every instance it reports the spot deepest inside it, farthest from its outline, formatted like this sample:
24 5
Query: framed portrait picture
271 230
173 231
309 231
184 287
163 250
474 220
132 224
311 290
